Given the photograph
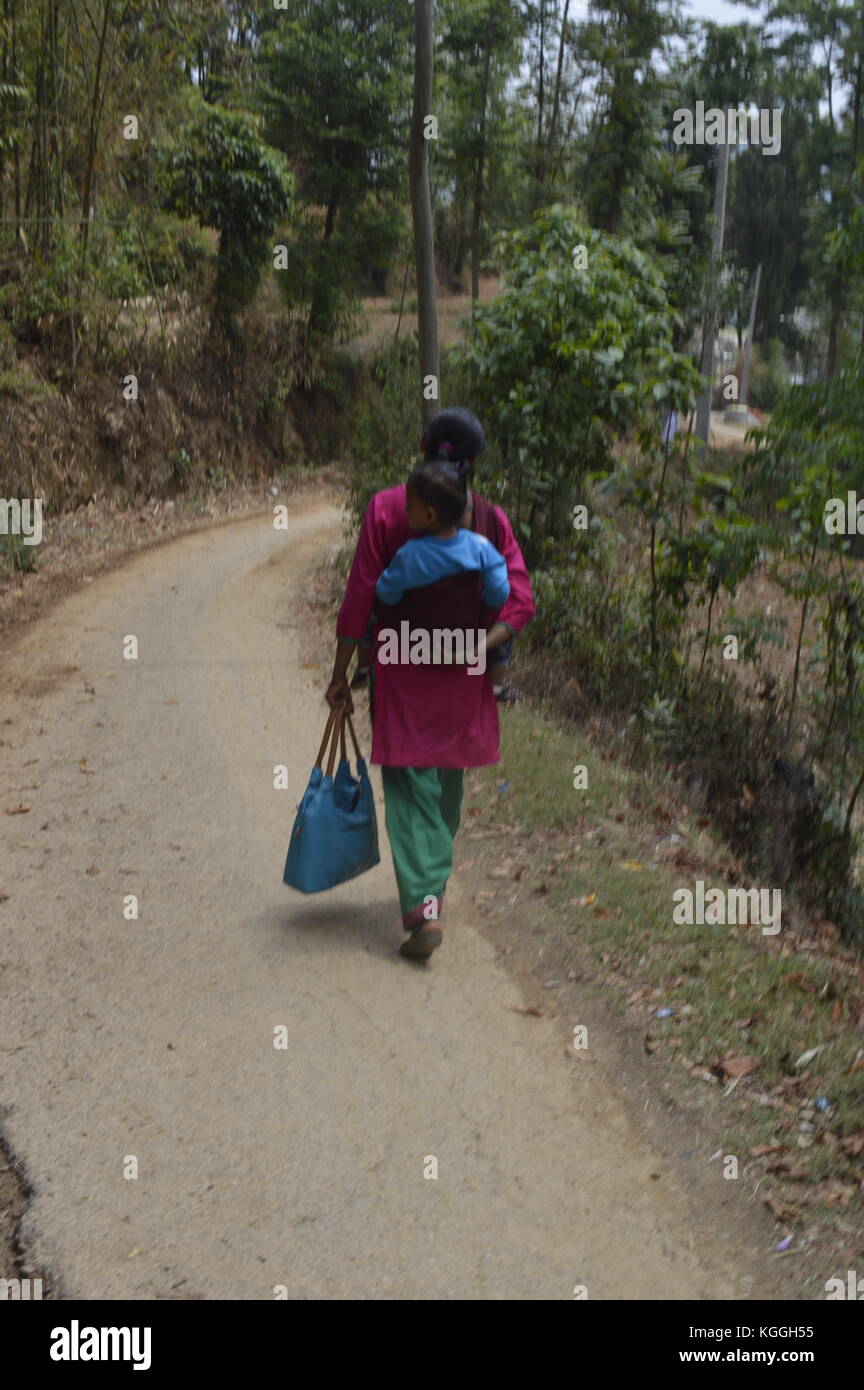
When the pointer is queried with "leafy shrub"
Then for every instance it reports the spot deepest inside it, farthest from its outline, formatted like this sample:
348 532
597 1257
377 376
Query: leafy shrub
21 557
566 359
387 429
769 376
41 284
176 250
226 176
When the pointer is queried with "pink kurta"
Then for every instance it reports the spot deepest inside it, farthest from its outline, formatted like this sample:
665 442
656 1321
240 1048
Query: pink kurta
431 715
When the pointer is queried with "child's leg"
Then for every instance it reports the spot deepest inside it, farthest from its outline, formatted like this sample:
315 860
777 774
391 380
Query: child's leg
497 661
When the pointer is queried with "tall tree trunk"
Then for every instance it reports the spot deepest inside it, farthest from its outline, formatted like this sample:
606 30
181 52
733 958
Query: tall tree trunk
541 82
96 103
744 388
703 405
840 276
316 308
421 205
6 79
481 160
56 122
16 156
556 98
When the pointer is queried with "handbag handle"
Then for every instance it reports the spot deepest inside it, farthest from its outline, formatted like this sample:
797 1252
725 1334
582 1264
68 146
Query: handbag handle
334 735
328 729
348 721
337 738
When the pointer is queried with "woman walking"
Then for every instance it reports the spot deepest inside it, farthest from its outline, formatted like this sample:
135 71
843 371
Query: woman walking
430 721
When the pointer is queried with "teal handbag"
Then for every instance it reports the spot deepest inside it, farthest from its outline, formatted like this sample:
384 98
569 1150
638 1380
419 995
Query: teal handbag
335 834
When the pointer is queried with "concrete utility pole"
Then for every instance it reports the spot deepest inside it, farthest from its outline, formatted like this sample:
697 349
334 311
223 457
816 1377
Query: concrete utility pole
709 332
744 384
421 208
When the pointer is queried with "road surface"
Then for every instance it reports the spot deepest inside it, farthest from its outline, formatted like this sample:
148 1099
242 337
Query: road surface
304 1168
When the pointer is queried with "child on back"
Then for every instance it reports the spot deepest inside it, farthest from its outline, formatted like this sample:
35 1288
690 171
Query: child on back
436 498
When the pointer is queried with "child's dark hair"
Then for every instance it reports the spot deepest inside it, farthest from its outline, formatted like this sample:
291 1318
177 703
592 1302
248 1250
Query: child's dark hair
443 486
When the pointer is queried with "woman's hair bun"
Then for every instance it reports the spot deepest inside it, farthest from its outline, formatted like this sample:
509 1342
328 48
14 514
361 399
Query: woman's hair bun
454 434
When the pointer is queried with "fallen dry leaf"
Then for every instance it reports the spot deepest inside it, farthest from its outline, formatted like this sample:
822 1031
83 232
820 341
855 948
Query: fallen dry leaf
794 1172
736 1066
828 934
760 1150
835 1193
783 1211
800 982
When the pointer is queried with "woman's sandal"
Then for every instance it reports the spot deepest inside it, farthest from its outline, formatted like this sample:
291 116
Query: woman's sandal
421 943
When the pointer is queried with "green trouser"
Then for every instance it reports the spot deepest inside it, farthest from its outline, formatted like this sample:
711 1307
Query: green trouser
422 807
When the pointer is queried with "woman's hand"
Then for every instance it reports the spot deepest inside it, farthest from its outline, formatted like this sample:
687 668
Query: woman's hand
338 695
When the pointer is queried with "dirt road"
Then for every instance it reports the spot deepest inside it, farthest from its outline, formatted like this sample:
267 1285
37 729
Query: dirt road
153 1038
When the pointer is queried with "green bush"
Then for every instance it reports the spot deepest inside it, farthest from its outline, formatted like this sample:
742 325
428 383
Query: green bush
21 557
225 175
769 376
575 351
385 442
177 250
41 284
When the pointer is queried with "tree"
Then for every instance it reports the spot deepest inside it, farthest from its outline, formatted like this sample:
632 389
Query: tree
227 177
479 57
625 38
333 84
421 207
566 358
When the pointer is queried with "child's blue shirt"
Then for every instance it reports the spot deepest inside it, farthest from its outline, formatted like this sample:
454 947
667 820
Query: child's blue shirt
425 559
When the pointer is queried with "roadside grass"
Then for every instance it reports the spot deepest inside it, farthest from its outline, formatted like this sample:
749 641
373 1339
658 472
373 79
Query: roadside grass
20 383
601 865
15 555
